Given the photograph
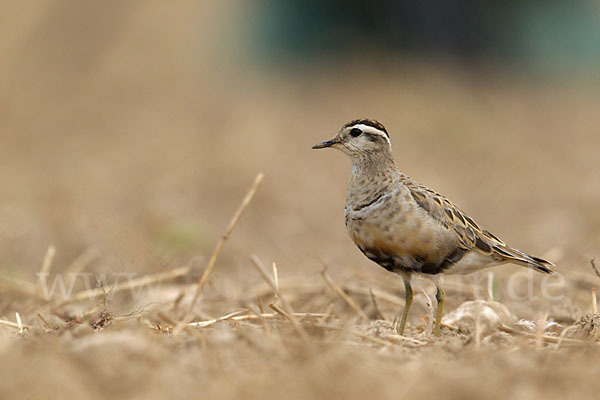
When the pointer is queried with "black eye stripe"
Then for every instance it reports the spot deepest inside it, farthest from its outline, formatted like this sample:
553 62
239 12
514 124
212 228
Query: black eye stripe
355 132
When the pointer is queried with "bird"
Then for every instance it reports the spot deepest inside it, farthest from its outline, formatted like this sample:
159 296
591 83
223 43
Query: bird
407 228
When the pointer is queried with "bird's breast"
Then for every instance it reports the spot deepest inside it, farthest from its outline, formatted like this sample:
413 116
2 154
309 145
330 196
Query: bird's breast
397 228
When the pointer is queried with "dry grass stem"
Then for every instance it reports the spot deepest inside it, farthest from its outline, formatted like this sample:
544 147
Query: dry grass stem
291 316
329 281
279 311
477 327
24 287
19 322
9 323
450 288
184 323
17 325
307 285
263 321
563 334
490 286
580 279
594 267
264 274
213 321
546 338
430 314
594 302
539 331
408 339
288 308
276 279
131 284
45 322
178 299
83 260
373 339
217 251
252 317
48 258
384 342
451 327
166 318
378 313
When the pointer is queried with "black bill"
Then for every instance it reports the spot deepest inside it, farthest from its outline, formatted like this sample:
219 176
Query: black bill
325 144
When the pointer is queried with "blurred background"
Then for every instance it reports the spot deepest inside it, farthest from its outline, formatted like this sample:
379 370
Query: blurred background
131 130
135 128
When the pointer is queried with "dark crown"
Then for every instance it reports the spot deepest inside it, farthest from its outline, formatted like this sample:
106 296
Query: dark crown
370 122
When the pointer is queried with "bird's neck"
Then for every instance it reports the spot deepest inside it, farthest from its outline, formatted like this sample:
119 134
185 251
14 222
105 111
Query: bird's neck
375 165
369 178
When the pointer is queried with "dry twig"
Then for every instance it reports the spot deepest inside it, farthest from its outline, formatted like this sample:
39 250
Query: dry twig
17 325
490 286
9 323
276 279
378 313
131 284
478 326
594 267
384 342
289 311
329 281
46 323
250 317
263 321
217 251
539 332
166 318
27 288
549 339
47 264
563 334
430 314
372 339
83 260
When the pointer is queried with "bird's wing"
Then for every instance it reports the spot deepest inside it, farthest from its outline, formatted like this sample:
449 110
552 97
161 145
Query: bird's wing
469 234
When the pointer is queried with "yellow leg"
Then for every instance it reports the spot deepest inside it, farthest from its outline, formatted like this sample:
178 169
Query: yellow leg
440 296
408 299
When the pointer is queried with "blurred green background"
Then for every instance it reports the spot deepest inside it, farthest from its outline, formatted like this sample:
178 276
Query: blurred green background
553 36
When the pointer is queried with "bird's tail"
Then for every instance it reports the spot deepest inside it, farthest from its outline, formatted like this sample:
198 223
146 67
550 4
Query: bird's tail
518 257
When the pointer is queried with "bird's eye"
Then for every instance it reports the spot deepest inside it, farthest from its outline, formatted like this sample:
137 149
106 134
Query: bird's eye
355 132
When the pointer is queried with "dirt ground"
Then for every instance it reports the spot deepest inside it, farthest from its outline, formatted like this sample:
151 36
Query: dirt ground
127 148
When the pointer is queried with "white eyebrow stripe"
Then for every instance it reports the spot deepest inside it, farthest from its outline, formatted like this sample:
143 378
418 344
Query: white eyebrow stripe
372 130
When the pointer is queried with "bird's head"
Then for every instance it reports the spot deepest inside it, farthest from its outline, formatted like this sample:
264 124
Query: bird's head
362 140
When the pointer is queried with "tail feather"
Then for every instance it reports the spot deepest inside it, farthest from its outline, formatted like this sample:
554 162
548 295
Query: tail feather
518 257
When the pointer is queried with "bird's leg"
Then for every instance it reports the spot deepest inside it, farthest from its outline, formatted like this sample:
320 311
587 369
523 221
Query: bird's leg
408 299
440 296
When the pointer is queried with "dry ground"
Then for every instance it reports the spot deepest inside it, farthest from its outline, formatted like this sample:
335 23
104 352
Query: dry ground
131 159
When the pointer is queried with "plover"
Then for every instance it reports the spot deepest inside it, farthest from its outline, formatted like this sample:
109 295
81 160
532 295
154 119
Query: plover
408 228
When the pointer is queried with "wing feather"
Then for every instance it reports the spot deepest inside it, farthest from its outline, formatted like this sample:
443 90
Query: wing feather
469 234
